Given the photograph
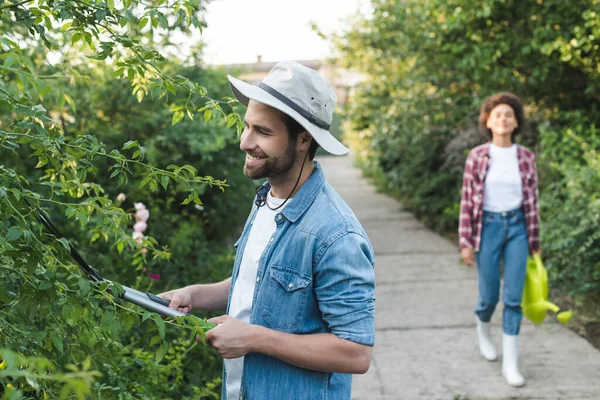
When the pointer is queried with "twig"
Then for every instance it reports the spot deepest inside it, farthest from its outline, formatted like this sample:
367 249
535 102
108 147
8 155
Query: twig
16 4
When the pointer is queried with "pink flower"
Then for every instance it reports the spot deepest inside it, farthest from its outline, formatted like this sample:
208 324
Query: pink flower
153 276
121 197
142 215
139 206
140 226
138 237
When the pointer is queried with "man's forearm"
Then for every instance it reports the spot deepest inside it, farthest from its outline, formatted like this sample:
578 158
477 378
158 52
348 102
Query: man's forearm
323 352
210 297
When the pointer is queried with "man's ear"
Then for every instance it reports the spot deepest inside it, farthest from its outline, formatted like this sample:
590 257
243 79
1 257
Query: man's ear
304 141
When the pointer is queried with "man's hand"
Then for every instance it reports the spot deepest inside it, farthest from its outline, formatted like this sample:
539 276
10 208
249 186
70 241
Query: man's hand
468 256
231 338
180 299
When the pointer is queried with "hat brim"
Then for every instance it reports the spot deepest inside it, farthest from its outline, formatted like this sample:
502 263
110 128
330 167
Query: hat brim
245 92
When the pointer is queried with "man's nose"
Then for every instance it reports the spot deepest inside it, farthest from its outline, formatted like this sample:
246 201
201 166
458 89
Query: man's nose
247 141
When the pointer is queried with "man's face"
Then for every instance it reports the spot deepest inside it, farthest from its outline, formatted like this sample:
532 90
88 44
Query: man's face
265 140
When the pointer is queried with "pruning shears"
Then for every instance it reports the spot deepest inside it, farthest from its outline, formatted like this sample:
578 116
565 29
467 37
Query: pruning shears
145 300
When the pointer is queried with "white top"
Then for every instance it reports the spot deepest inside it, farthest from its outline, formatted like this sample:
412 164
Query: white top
503 189
243 291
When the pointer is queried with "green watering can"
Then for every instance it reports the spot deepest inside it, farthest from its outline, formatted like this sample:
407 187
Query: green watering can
535 302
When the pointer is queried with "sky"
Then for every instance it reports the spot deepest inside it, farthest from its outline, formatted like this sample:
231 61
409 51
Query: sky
240 30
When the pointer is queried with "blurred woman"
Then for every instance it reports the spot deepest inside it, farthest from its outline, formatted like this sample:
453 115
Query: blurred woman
499 220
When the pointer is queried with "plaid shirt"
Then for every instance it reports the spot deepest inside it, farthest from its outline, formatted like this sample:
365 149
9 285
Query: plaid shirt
471 203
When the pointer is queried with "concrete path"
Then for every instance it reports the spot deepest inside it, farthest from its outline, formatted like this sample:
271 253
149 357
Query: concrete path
425 328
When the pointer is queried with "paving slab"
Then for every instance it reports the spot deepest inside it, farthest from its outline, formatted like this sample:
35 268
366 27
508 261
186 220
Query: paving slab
425 328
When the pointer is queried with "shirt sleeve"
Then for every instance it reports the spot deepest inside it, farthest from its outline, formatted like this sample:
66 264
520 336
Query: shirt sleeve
344 284
465 228
534 229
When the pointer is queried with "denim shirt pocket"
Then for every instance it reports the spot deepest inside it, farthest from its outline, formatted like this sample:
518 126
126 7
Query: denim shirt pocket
286 290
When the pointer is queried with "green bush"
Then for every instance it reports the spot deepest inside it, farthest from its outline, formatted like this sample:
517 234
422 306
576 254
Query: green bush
111 116
570 204
428 67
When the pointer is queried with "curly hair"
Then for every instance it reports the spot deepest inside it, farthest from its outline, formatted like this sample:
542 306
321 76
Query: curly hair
501 98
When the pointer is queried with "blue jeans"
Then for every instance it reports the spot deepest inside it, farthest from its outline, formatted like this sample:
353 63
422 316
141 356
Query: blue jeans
503 235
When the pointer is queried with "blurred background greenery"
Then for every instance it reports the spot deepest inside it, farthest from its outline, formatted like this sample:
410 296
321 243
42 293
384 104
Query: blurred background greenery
429 64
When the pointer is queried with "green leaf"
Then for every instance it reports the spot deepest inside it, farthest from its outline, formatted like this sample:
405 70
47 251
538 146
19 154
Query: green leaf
13 233
178 116
16 194
127 320
155 340
163 21
57 342
32 263
115 329
207 115
76 38
41 162
82 217
156 91
160 324
45 285
130 144
70 102
176 107
84 286
164 181
111 5
161 352
143 23
65 243
146 315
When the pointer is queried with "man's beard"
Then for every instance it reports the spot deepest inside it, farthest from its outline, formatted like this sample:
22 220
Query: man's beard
273 166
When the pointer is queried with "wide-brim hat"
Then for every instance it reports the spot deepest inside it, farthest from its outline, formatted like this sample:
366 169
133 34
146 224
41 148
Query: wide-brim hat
300 92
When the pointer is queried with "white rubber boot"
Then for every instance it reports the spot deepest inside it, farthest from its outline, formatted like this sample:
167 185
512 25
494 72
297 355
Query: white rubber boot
486 346
510 368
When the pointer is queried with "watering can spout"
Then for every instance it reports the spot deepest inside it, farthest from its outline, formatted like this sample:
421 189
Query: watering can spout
537 312
547 306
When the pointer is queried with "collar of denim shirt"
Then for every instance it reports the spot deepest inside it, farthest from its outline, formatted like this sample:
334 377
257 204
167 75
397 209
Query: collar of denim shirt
305 196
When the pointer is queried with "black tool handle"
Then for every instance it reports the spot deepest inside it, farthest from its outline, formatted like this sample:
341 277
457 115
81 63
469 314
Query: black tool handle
159 300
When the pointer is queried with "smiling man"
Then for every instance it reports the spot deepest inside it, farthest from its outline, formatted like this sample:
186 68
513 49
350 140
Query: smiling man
300 301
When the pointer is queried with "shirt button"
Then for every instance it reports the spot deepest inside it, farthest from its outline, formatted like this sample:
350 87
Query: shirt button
279 217
271 240
257 279
291 285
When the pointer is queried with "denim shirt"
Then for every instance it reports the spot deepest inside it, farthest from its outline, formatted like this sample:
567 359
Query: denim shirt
316 275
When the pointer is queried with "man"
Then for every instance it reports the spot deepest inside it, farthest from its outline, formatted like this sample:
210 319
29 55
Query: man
300 301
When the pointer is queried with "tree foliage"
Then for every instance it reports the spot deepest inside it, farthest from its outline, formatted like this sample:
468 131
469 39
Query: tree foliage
90 108
430 63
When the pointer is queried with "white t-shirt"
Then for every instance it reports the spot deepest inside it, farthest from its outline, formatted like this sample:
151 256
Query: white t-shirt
243 291
503 189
